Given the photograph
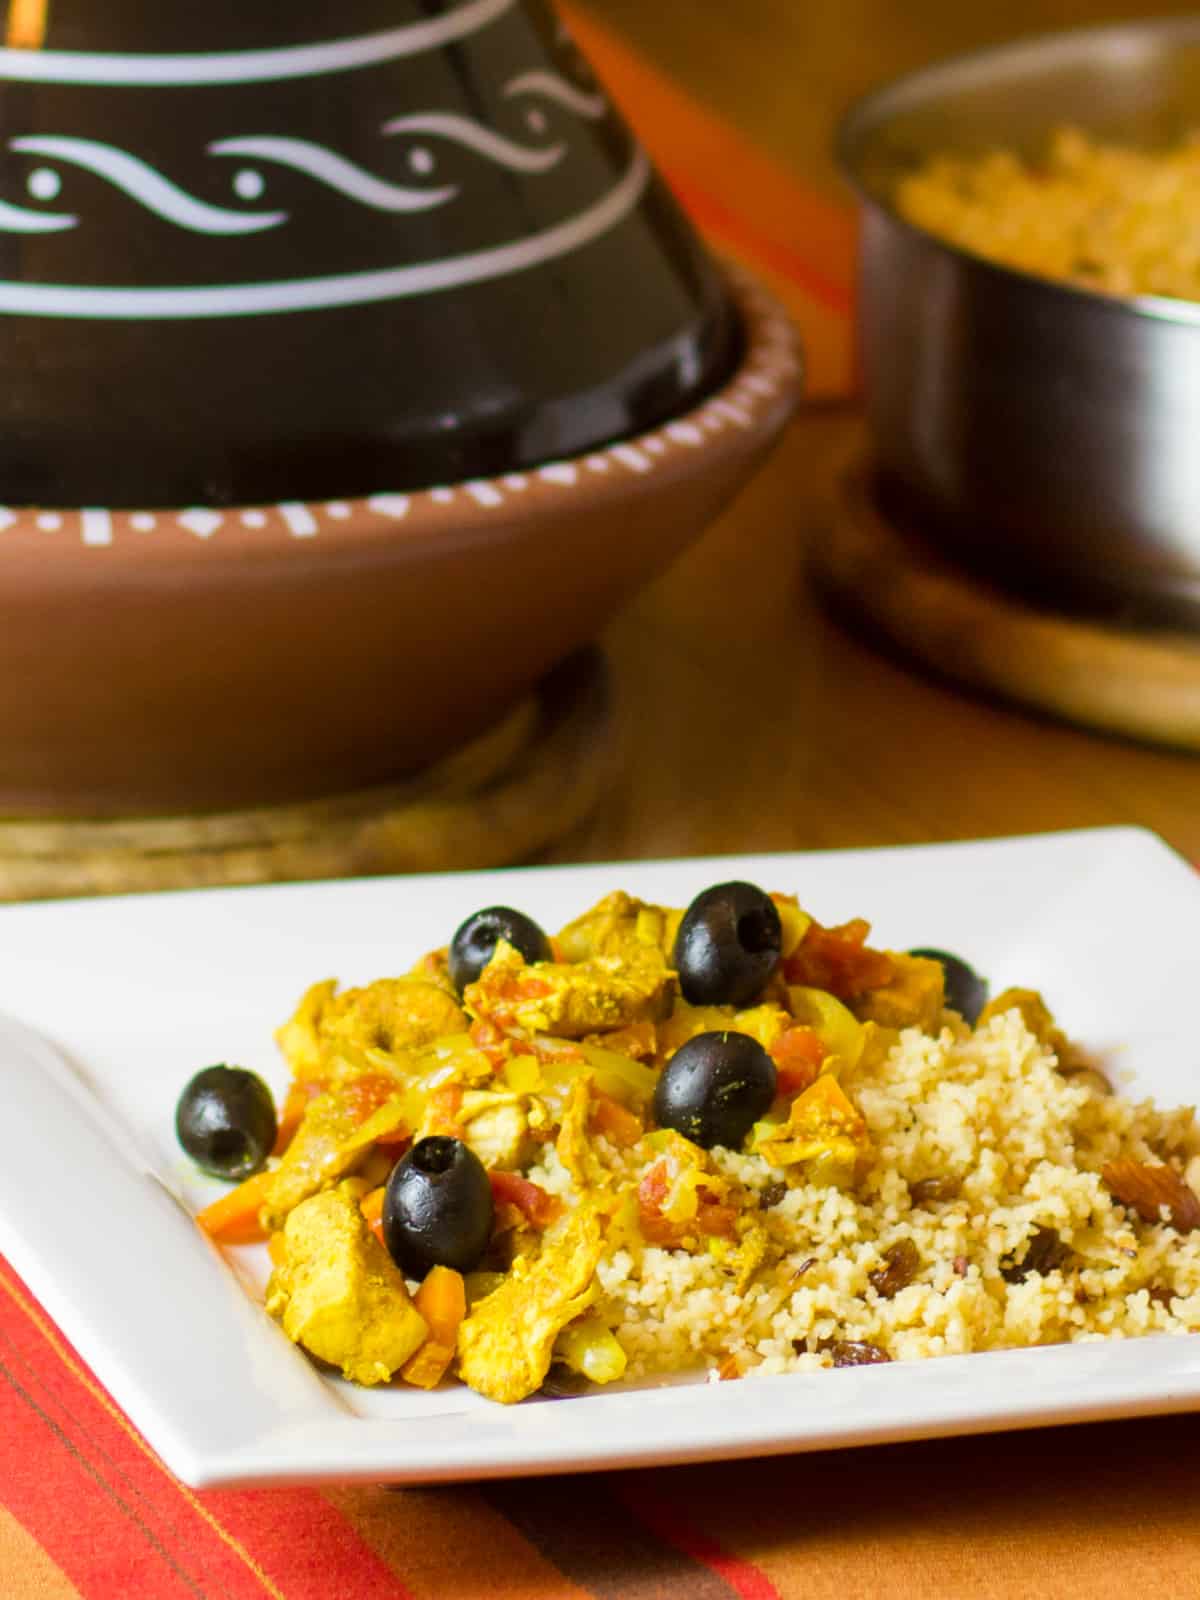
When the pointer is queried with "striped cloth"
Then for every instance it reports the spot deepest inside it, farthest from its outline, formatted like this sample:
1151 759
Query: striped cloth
86 1508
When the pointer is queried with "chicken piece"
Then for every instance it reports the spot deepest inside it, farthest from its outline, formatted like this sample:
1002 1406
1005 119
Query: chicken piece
338 1294
495 1126
615 926
573 1145
434 967
505 1344
328 1033
392 1014
572 999
299 1039
325 1148
766 1023
639 1041
912 997
825 1136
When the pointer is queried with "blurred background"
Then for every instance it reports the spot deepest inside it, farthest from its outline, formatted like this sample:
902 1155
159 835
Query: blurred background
757 719
833 53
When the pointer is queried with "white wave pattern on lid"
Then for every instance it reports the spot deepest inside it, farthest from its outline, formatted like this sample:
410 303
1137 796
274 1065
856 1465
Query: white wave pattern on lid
15 219
250 66
549 84
505 152
140 180
158 194
336 172
343 289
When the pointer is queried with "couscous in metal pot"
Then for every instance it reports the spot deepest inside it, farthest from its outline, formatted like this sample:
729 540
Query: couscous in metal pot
1040 433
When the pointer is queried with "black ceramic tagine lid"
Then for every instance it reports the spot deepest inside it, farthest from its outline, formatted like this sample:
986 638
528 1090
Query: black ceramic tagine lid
250 251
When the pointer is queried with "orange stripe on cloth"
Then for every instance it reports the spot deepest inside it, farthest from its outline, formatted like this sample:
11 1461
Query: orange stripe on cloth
129 1516
27 1571
745 202
449 1544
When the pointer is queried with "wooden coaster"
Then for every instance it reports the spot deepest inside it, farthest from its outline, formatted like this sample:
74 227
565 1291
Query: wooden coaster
498 800
1142 684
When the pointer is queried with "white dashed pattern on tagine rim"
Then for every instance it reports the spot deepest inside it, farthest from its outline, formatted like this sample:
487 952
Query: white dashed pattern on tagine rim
773 359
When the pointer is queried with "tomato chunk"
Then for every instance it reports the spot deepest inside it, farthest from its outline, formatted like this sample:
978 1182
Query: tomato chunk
536 1205
839 960
364 1096
610 1118
797 1055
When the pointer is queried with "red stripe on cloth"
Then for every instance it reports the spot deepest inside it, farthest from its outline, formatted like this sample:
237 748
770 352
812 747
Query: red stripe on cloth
290 1545
82 1514
305 1544
670 1525
83 1421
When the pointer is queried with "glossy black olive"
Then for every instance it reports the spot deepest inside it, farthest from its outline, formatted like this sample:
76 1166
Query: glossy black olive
966 991
475 941
437 1208
225 1120
728 945
714 1088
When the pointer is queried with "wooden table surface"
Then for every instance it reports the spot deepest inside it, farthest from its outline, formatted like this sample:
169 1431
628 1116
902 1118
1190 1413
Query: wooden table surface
753 721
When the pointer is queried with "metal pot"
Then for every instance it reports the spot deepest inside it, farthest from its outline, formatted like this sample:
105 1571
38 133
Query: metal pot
1044 435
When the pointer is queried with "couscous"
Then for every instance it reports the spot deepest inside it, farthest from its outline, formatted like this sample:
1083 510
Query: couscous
1100 215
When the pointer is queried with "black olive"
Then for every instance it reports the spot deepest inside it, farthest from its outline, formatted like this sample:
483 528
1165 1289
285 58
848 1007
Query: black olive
475 942
225 1120
728 945
966 991
437 1208
714 1088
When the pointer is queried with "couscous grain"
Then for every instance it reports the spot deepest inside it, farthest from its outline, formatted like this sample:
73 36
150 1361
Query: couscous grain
1102 216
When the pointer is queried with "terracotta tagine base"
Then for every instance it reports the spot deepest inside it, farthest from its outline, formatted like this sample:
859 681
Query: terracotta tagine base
527 782
155 661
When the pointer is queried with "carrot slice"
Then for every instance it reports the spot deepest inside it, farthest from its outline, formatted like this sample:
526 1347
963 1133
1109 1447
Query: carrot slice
371 1206
233 1219
442 1301
295 1103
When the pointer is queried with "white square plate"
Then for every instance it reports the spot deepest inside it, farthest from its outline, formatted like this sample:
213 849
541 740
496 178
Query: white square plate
122 1000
